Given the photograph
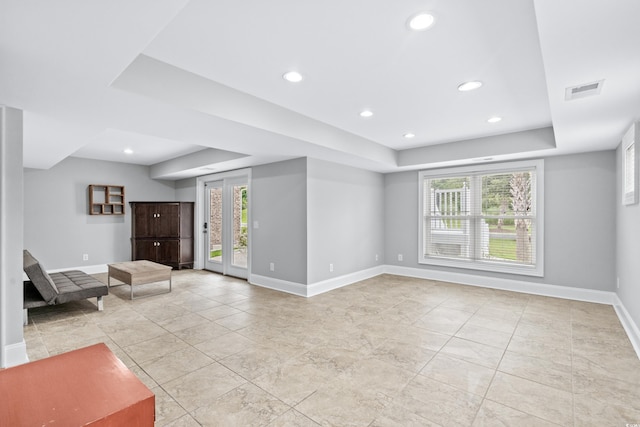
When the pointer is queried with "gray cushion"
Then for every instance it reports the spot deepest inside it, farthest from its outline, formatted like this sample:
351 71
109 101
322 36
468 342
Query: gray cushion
38 275
74 285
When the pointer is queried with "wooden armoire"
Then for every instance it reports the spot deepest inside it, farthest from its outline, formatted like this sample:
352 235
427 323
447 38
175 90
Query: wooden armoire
162 232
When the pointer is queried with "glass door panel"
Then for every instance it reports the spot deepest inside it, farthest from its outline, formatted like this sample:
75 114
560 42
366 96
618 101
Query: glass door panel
227 243
214 210
240 240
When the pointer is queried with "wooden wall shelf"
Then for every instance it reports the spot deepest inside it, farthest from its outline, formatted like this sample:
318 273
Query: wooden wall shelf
106 199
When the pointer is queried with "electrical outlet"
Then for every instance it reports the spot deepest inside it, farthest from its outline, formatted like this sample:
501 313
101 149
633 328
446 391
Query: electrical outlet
272 266
376 257
618 282
331 268
85 257
400 257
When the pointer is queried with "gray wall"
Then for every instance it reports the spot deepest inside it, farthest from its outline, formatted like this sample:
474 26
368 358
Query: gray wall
12 349
57 227
186 190
579 222
345 222
628 248
278 197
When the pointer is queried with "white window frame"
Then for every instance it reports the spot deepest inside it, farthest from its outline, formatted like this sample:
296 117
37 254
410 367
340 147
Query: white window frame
537 192
630 167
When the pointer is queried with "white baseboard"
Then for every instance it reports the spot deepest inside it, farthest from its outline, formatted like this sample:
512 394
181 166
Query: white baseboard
314 288
566 292
345 280
14 354
633 332
279 285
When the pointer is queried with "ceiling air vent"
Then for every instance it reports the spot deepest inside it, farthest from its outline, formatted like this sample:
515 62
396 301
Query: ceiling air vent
584 90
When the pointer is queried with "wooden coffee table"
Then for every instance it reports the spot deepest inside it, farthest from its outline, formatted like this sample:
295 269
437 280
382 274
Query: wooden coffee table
138 273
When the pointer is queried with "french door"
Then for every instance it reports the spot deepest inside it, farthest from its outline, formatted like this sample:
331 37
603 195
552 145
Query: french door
226 230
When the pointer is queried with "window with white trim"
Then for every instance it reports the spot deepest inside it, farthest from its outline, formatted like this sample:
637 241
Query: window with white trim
487 217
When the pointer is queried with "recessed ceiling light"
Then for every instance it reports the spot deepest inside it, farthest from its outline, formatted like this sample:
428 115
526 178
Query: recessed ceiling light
366 113
292 76
467 86
494 119
128 151
421 21
409 135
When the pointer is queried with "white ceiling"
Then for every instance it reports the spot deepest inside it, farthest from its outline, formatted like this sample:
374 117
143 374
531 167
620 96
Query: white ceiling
173 78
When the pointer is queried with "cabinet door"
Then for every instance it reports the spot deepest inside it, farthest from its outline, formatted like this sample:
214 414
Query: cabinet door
168 220
144 220
168 252
145 249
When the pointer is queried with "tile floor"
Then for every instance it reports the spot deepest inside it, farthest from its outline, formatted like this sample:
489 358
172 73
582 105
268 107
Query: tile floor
388 351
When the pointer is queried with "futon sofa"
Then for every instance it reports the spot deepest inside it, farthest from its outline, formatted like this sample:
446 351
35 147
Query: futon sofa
44 289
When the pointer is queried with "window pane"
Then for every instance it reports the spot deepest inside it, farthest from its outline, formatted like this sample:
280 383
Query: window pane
448 196
506 194
507 245
451 241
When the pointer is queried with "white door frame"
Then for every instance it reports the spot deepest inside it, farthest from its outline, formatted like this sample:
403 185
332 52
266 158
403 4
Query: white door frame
200 215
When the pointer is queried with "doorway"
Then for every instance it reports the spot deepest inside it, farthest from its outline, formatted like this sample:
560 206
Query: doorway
226 245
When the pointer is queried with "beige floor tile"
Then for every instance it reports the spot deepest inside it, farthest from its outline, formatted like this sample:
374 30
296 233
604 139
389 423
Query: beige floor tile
500 311
473 352
125 334
608 390
338 404
542 401
371 373
201 387
493 414
155 347
557 334
421 337
334 360
397 416
443 320
161 312
175 365
623 367
544 371
258 360
167 409
594 412
466 376
201 333
225 345
503 325
184 421
438 402
219 312
294 381
193 302
237 321
293 418
410 357
547 318
246 405
540 349
484 335
182 322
